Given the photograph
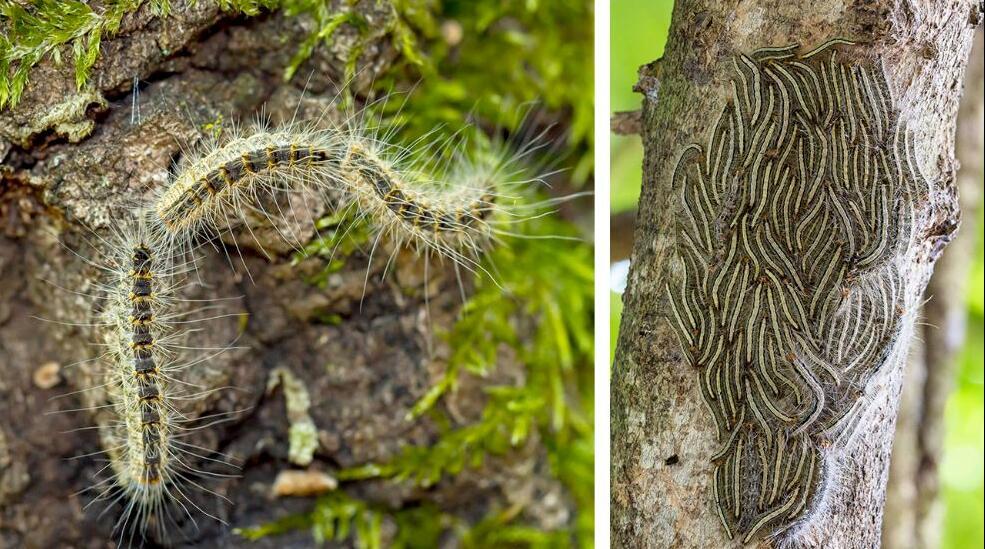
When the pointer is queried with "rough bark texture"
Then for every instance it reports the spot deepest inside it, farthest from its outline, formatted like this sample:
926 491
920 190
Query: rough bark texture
913 507
662 435
72 161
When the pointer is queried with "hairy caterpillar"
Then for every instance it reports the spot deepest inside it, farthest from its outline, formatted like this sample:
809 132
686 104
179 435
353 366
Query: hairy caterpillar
789 298
452 207
141 424
210 188
139 442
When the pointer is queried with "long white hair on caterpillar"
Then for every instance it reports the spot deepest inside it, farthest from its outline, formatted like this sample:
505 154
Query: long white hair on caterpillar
141 325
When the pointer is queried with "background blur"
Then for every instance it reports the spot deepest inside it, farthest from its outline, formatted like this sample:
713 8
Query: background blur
639 30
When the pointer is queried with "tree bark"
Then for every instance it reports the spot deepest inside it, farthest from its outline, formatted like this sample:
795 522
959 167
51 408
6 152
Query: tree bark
74 161
663 436
913 506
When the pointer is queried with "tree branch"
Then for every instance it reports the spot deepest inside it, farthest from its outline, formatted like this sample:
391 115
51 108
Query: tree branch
663 436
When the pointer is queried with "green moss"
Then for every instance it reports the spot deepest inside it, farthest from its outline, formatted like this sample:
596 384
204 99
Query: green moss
215 127
501 530
506 422
45 27
339 517
335 517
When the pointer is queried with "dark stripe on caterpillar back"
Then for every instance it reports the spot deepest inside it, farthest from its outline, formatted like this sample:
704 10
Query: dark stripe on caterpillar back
145 368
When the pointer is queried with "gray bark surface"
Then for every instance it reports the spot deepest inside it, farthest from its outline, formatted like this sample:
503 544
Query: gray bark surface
662 434
73 162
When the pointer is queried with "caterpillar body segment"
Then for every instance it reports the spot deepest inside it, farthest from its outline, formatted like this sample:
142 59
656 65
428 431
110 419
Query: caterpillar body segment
192 195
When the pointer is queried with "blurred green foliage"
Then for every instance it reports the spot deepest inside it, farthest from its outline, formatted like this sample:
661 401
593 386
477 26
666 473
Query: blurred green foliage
510 53
639 30
964 445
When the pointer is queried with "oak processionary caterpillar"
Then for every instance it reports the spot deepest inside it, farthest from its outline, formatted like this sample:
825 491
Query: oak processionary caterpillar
788 298
210 192
453 210
143 360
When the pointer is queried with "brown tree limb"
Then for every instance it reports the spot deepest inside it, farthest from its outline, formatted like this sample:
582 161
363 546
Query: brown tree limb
662 434
626 122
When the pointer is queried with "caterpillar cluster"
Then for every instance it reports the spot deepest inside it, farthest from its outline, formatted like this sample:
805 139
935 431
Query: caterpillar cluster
790 299
211 191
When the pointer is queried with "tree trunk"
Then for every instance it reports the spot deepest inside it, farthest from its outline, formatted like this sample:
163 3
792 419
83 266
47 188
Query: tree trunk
73 161
913 506
663 435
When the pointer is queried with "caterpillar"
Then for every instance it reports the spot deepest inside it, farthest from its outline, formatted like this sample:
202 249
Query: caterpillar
453 209
786 292
141 425
139 442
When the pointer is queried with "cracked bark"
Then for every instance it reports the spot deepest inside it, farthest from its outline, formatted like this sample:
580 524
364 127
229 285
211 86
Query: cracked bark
662 436
72 161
